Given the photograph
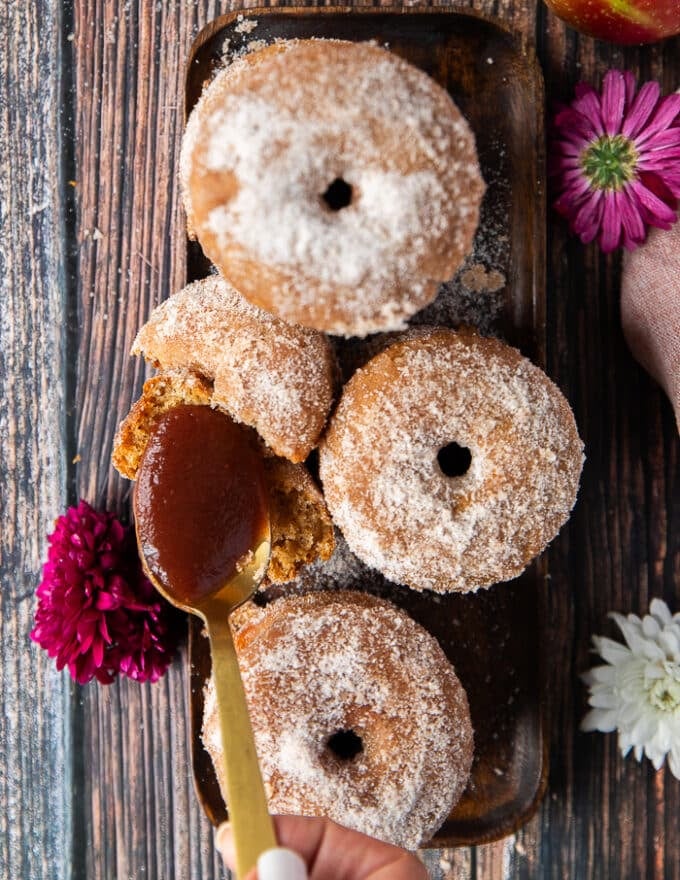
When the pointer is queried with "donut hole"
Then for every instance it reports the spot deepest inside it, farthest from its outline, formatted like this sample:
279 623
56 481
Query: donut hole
338 194
454 460
345 744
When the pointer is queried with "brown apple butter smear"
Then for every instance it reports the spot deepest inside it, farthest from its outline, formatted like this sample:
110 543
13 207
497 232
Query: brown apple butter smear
200 501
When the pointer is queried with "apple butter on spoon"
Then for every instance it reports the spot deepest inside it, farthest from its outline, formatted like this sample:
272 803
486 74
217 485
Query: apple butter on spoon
202 521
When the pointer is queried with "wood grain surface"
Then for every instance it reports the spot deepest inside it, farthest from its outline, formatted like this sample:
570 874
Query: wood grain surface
35 718
105 791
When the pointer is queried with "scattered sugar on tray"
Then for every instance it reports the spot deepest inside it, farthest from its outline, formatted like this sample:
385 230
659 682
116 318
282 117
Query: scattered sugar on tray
255 45
226 52
245 25
457 302
343 570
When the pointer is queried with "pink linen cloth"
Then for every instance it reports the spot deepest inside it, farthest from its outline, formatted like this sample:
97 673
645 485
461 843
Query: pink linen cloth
650 309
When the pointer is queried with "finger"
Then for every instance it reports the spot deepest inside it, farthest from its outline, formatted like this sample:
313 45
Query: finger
224 842
332 852
336 853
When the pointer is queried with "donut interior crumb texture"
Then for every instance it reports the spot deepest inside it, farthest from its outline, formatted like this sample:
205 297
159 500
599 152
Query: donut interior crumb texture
302 531
357 714
277 378
441 401
301 528
161 393
281 133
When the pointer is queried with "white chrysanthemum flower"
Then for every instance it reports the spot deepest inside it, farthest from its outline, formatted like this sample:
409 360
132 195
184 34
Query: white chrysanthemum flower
638 692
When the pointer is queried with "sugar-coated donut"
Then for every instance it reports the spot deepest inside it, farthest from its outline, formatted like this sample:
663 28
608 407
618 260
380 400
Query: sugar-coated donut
450 462
332 183
357 715
270 375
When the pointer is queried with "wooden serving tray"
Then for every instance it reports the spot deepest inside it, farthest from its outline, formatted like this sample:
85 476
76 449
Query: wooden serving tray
493 637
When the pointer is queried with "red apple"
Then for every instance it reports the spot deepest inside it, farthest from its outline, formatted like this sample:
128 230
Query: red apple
621 21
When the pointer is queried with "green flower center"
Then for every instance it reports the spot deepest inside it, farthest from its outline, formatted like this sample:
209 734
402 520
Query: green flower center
609 162
665 694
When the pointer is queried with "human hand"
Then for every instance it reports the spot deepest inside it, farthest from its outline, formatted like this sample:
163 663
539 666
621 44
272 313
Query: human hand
332 852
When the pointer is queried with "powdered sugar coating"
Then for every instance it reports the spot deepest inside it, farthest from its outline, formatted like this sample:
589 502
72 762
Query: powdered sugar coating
276 128
386 491
268 374
313 665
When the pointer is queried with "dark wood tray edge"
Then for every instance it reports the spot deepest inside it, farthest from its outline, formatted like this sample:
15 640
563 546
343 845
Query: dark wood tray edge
523 47
443 841
209 30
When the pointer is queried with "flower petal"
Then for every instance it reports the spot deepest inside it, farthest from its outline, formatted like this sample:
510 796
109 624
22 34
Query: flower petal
561 165
571 198
642 108
655 212
644 729
105 601
656 757
575 127
650 627
584 88
661 611
600 675
599 719
589 106
587 221
665 114
604 700
669 137
662 160
613 101
610 230
670 642
634 231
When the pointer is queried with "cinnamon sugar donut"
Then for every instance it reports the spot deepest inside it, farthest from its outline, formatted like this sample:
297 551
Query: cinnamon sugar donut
357 715
301 528
274 377
332 183
450 462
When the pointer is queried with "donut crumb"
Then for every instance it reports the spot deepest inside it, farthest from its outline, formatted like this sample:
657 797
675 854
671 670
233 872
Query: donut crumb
477 278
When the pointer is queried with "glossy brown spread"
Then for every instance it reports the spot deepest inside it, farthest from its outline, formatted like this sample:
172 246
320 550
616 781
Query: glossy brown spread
200 501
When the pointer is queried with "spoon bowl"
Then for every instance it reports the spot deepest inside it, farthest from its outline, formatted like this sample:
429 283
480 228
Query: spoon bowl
235 591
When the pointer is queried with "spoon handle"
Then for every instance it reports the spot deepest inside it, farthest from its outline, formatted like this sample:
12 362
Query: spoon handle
251 823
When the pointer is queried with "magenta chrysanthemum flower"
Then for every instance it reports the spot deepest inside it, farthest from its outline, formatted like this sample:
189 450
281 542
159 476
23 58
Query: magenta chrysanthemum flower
615 161
97 612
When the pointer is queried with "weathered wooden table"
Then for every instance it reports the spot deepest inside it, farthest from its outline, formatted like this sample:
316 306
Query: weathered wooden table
95 782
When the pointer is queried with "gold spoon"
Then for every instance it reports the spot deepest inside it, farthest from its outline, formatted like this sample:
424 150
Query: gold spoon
203 532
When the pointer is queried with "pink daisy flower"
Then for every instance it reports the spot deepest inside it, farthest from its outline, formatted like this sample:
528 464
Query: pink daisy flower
615 161
97 612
